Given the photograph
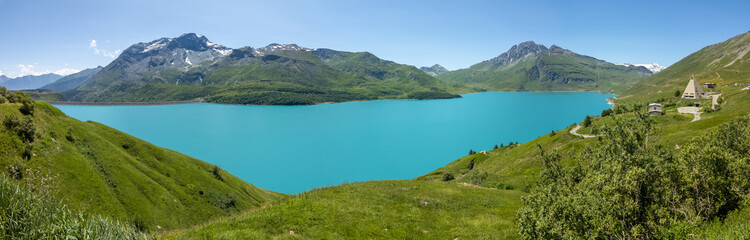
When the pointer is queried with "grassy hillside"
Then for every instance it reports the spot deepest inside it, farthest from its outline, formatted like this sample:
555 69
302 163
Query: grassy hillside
28 215
722 63
375 210
94 168
555 70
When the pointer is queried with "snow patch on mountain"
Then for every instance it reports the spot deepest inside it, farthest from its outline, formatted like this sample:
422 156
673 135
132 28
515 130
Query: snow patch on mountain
157 45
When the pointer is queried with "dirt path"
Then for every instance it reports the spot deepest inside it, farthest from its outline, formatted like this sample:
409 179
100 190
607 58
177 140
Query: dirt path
574 131
691 110
715 101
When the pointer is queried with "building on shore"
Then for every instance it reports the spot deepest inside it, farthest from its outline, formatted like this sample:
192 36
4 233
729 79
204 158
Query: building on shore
709 85
693 90
654 109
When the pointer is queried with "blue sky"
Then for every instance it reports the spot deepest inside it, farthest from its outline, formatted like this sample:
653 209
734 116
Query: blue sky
49 36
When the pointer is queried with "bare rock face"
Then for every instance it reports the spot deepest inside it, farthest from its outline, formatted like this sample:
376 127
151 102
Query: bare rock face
519 51
434 70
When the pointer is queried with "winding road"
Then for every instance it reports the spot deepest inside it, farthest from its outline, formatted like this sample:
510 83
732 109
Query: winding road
574 131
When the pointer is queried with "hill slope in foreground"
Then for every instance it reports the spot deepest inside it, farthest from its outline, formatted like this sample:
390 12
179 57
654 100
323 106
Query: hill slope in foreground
94 168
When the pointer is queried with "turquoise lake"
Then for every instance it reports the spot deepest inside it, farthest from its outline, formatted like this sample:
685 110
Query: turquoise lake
291 149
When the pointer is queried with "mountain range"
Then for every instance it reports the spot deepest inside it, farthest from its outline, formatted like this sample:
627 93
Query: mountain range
529 66
72 81
191 67
28 81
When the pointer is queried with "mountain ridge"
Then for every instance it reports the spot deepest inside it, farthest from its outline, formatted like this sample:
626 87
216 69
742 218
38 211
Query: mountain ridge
190 67
529 66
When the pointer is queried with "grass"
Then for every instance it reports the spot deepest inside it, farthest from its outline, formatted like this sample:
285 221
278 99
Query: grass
375 210
94 168
29 215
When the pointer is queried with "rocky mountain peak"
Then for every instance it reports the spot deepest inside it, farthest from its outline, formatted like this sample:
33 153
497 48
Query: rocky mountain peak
519 51
434 70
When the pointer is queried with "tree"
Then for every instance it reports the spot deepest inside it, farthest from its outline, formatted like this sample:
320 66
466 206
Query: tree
552 134
677 93
471 164
494 148
587 121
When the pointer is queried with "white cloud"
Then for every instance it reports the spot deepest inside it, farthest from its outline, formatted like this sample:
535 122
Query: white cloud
112 54
29 70
1 73
66 71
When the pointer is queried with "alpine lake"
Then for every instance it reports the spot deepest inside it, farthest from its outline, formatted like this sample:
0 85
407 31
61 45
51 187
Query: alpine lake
291 149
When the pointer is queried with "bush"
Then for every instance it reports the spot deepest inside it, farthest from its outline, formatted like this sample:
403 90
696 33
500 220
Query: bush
471 164
587 121
24 128
677 93
217 173
552 134
606 112
27 107
628 188
448 177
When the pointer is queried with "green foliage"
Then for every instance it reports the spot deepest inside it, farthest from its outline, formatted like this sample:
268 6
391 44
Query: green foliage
606 112
627 187
28 215
677 93
448 177
586 121
216 171
471 164
23 127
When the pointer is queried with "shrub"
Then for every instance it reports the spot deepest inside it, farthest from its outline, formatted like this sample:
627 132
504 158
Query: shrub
606 112
677 93
27 107
448 177
587 121
217 173
24 128
471 164
552 134
477 177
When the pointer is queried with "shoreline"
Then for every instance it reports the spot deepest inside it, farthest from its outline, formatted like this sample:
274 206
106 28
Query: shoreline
203 101
123 103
